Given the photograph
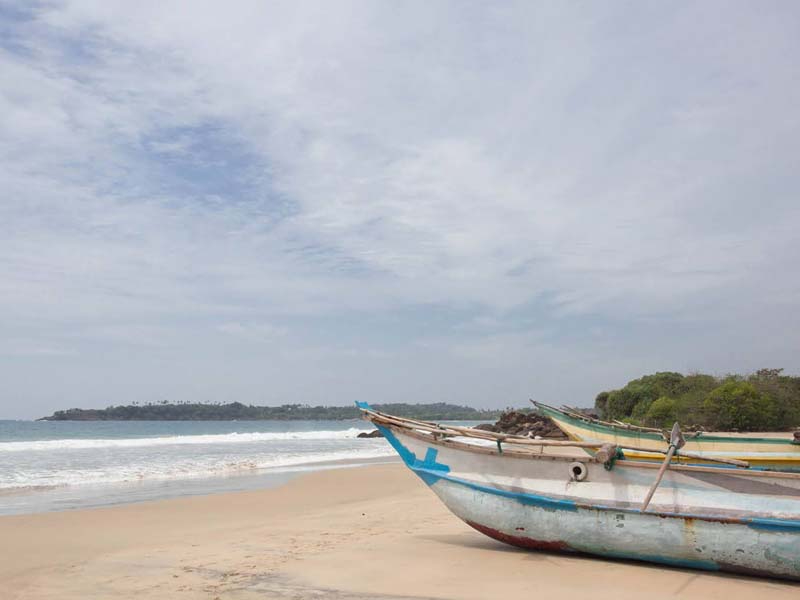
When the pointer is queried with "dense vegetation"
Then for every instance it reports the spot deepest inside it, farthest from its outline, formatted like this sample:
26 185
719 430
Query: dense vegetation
765 400
164 411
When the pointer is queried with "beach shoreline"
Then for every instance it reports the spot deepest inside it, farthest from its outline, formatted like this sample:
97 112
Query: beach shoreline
43 499
364 532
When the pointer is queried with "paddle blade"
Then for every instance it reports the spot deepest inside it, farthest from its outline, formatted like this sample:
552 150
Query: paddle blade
676 437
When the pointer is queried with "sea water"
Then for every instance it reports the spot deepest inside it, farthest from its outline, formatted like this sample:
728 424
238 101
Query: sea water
57 465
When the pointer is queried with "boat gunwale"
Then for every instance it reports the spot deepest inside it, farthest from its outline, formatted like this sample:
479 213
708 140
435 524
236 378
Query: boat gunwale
566 503
595 425
518 453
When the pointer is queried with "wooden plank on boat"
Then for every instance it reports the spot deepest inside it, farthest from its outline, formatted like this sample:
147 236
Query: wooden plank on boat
459 431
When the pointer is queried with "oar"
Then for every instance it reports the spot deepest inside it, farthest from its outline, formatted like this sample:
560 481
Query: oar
714 459
676 441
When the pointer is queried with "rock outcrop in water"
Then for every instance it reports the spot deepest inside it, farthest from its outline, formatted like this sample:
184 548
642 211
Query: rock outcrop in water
370 434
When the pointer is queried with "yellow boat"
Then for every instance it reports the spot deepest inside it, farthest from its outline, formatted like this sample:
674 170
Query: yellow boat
760 452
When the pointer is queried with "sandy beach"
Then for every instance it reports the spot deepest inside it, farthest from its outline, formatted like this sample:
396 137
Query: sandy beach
369 532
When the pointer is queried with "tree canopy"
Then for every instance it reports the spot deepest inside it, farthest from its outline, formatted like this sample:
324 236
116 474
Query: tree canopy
764 400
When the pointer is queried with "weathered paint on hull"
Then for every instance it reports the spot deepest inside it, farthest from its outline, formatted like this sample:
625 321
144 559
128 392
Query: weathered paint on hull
691 543
768 453
699 519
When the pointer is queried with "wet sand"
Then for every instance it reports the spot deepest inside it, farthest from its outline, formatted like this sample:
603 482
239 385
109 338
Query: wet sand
371 532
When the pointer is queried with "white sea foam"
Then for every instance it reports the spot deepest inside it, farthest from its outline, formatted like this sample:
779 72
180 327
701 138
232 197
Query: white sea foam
185 468
136 461
178 440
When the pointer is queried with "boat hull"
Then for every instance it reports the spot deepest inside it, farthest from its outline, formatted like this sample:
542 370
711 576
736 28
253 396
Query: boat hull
689 543
767 453
696 521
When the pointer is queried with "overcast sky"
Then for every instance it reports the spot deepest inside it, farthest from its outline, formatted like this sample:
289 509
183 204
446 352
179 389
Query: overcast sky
324 202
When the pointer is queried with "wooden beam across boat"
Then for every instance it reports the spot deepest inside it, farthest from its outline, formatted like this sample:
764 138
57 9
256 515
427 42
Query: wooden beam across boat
470 432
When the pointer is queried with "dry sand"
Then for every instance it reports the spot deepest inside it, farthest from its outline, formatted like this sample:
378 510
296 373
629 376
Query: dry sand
372 532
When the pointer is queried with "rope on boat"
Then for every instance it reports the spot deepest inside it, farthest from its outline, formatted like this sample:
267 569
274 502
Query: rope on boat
618 455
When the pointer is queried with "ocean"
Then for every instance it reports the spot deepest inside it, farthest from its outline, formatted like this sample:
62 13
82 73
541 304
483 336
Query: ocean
61 465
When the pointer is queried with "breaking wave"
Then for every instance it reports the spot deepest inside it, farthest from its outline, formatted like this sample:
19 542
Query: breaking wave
183 469
178 440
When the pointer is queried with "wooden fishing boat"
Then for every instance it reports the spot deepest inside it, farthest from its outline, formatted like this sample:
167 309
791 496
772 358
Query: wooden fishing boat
519 491
759 452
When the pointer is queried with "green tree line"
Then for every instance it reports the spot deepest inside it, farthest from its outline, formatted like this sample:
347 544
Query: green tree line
765 400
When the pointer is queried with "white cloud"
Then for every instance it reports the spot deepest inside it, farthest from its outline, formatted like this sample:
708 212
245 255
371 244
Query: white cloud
252 331
165 171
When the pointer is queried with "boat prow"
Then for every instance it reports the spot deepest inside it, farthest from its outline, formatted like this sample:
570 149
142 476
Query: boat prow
531 494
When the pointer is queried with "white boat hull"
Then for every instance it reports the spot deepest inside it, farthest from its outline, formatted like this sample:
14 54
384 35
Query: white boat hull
713 519
692 543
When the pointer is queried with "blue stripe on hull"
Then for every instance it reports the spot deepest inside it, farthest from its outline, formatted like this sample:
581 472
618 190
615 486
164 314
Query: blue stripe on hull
532 521
593 532
431 472
427 469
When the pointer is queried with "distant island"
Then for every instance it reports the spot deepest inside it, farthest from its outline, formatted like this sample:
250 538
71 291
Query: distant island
236 411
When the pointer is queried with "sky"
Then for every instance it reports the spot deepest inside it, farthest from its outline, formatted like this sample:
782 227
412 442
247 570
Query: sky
322 202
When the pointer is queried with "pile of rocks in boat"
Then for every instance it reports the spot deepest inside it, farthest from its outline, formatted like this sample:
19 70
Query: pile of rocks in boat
514 422
528 424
